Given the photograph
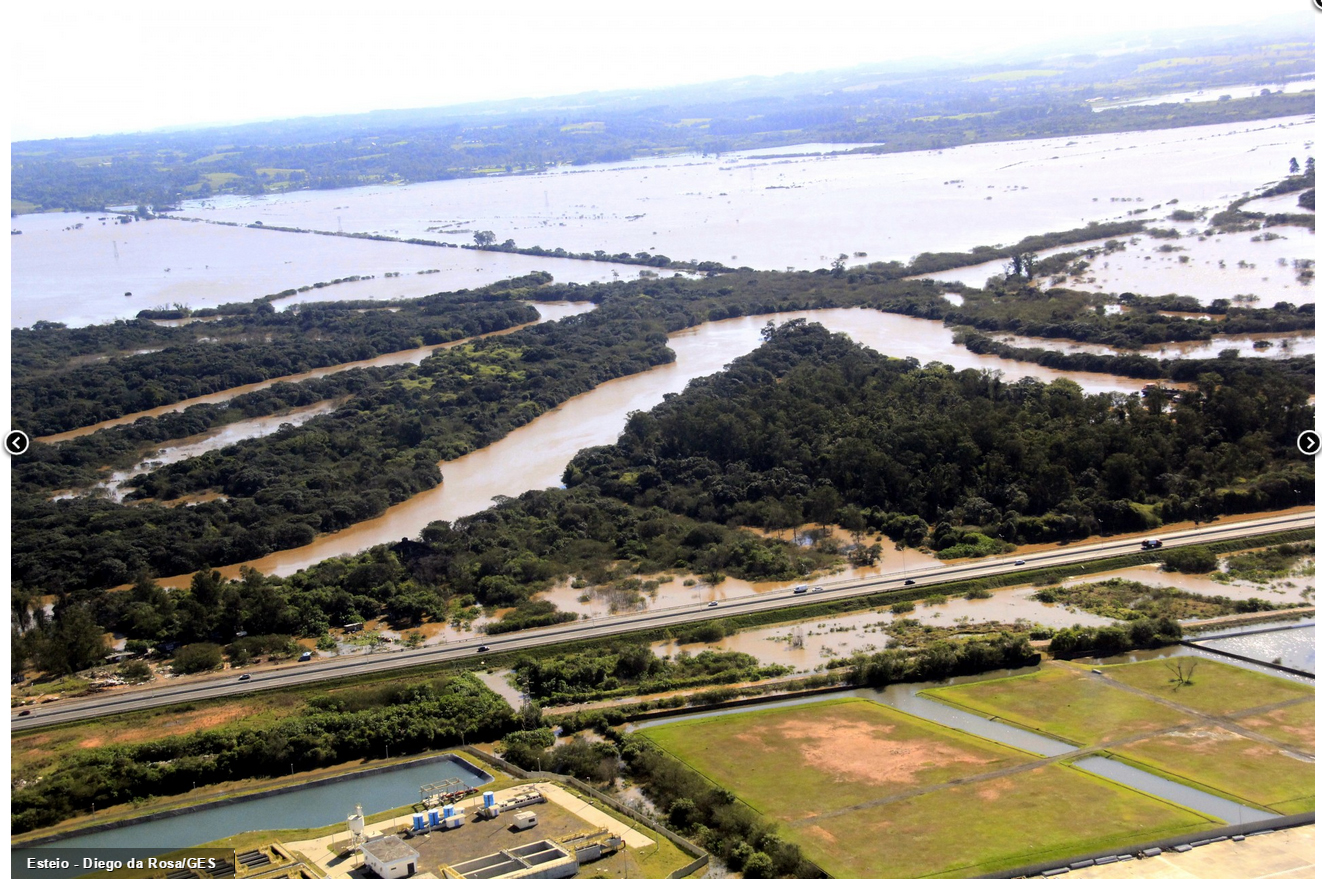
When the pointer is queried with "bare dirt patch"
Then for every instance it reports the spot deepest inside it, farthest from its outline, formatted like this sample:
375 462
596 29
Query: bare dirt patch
855 751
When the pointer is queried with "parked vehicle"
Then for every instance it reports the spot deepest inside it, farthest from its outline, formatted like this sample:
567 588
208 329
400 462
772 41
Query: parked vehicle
306 657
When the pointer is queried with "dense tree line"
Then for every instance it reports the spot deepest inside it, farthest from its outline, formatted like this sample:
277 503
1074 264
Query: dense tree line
379 448
811 427
408 719
264 346
941 660
1297 370
609 673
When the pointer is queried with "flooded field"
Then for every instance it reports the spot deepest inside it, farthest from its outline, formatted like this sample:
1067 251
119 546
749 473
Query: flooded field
807 645
1212 93
1276 345
770 211
534 456
80 276
1231 266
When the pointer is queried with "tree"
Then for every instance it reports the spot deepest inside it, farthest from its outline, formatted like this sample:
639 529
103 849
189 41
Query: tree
484 238
838 265
71 642
192 658
1182 670
1294 165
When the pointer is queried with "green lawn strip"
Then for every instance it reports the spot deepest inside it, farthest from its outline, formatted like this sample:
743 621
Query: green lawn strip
796 761
1046 813
1296 807
1217 688
1225 764
1062 701
1294 725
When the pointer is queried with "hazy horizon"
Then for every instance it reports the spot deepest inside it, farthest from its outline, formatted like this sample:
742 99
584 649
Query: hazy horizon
297 62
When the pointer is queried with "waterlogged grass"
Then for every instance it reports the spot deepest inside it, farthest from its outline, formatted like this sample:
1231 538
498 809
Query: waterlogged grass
801 761
1064 701
1216 689
1042 814
1228 765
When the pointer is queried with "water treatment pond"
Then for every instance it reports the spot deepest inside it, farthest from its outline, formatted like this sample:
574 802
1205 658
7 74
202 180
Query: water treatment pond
302 808
908 698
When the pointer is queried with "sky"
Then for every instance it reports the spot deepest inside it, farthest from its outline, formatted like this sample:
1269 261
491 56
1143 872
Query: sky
80 68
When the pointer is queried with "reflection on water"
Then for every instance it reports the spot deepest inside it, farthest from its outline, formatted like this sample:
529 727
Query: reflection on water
305 808
1276 345
1293 647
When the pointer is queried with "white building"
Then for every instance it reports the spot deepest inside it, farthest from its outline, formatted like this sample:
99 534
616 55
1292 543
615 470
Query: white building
390 857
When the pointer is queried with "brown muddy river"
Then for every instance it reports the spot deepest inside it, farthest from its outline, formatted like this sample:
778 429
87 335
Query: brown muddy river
535 456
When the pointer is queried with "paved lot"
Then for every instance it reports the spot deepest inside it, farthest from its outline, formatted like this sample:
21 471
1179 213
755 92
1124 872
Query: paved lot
567 814
1285 854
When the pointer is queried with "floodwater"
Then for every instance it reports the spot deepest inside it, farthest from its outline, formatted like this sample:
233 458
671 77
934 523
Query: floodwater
304 808
1292 589
535 455
79 276
1206 270
1211 93
771 212
1277 345
190 447
547 311
807 645
1292 645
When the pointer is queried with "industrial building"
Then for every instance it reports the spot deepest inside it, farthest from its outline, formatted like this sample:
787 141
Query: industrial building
390 857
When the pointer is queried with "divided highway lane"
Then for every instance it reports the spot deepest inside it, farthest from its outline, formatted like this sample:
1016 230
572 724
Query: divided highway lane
331 669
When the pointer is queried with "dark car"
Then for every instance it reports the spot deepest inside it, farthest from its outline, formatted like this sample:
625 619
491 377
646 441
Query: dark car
25 712
908 582
245 677
306 657
483 649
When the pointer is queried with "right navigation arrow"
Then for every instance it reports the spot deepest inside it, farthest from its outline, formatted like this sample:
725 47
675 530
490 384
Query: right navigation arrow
1309 442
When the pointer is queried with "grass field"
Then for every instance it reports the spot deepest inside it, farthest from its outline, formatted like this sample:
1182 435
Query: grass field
1049 812
1295 725
1229 765
1062 700
806 760
829 771
1216 689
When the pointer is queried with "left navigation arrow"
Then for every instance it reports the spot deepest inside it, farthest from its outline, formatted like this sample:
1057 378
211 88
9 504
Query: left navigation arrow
17 442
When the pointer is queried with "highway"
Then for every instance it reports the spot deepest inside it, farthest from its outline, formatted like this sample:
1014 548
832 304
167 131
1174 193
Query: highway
331 669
